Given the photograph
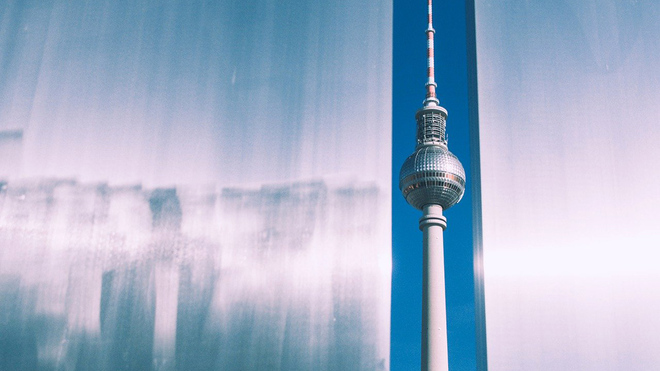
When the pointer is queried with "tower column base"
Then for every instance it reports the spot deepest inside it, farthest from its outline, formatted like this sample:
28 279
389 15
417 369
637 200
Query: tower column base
434 312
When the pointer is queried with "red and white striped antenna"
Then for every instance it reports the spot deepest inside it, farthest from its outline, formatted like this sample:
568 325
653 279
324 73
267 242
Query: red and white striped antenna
431 98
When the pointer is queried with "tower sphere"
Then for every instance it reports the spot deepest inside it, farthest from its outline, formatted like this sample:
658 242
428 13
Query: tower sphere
432 175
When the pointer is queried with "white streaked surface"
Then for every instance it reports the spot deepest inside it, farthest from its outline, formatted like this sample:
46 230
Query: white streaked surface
568 109
167 92
195 185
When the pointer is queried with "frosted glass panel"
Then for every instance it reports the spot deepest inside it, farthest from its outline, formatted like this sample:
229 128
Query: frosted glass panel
163 92
568 110
195 185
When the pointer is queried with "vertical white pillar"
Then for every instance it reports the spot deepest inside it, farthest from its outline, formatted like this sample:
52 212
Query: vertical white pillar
434 312
166 278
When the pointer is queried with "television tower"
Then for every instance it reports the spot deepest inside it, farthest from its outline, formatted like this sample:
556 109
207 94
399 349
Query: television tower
432 179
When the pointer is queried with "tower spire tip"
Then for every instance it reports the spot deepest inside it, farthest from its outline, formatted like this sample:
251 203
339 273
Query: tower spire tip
431 98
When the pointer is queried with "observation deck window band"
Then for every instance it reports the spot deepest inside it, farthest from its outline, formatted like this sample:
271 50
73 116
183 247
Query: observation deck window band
438 174
451 186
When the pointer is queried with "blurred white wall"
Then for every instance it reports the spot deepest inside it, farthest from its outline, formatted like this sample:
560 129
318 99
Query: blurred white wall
172 92
108 102
569 105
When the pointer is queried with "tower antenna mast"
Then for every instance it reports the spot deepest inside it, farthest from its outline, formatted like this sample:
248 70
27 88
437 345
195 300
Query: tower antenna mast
432 179
431 98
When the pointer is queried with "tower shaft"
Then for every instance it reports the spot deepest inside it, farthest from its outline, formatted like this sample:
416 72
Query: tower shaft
432 179
434 313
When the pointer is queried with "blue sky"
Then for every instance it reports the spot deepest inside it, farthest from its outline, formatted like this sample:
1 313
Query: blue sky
408 93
